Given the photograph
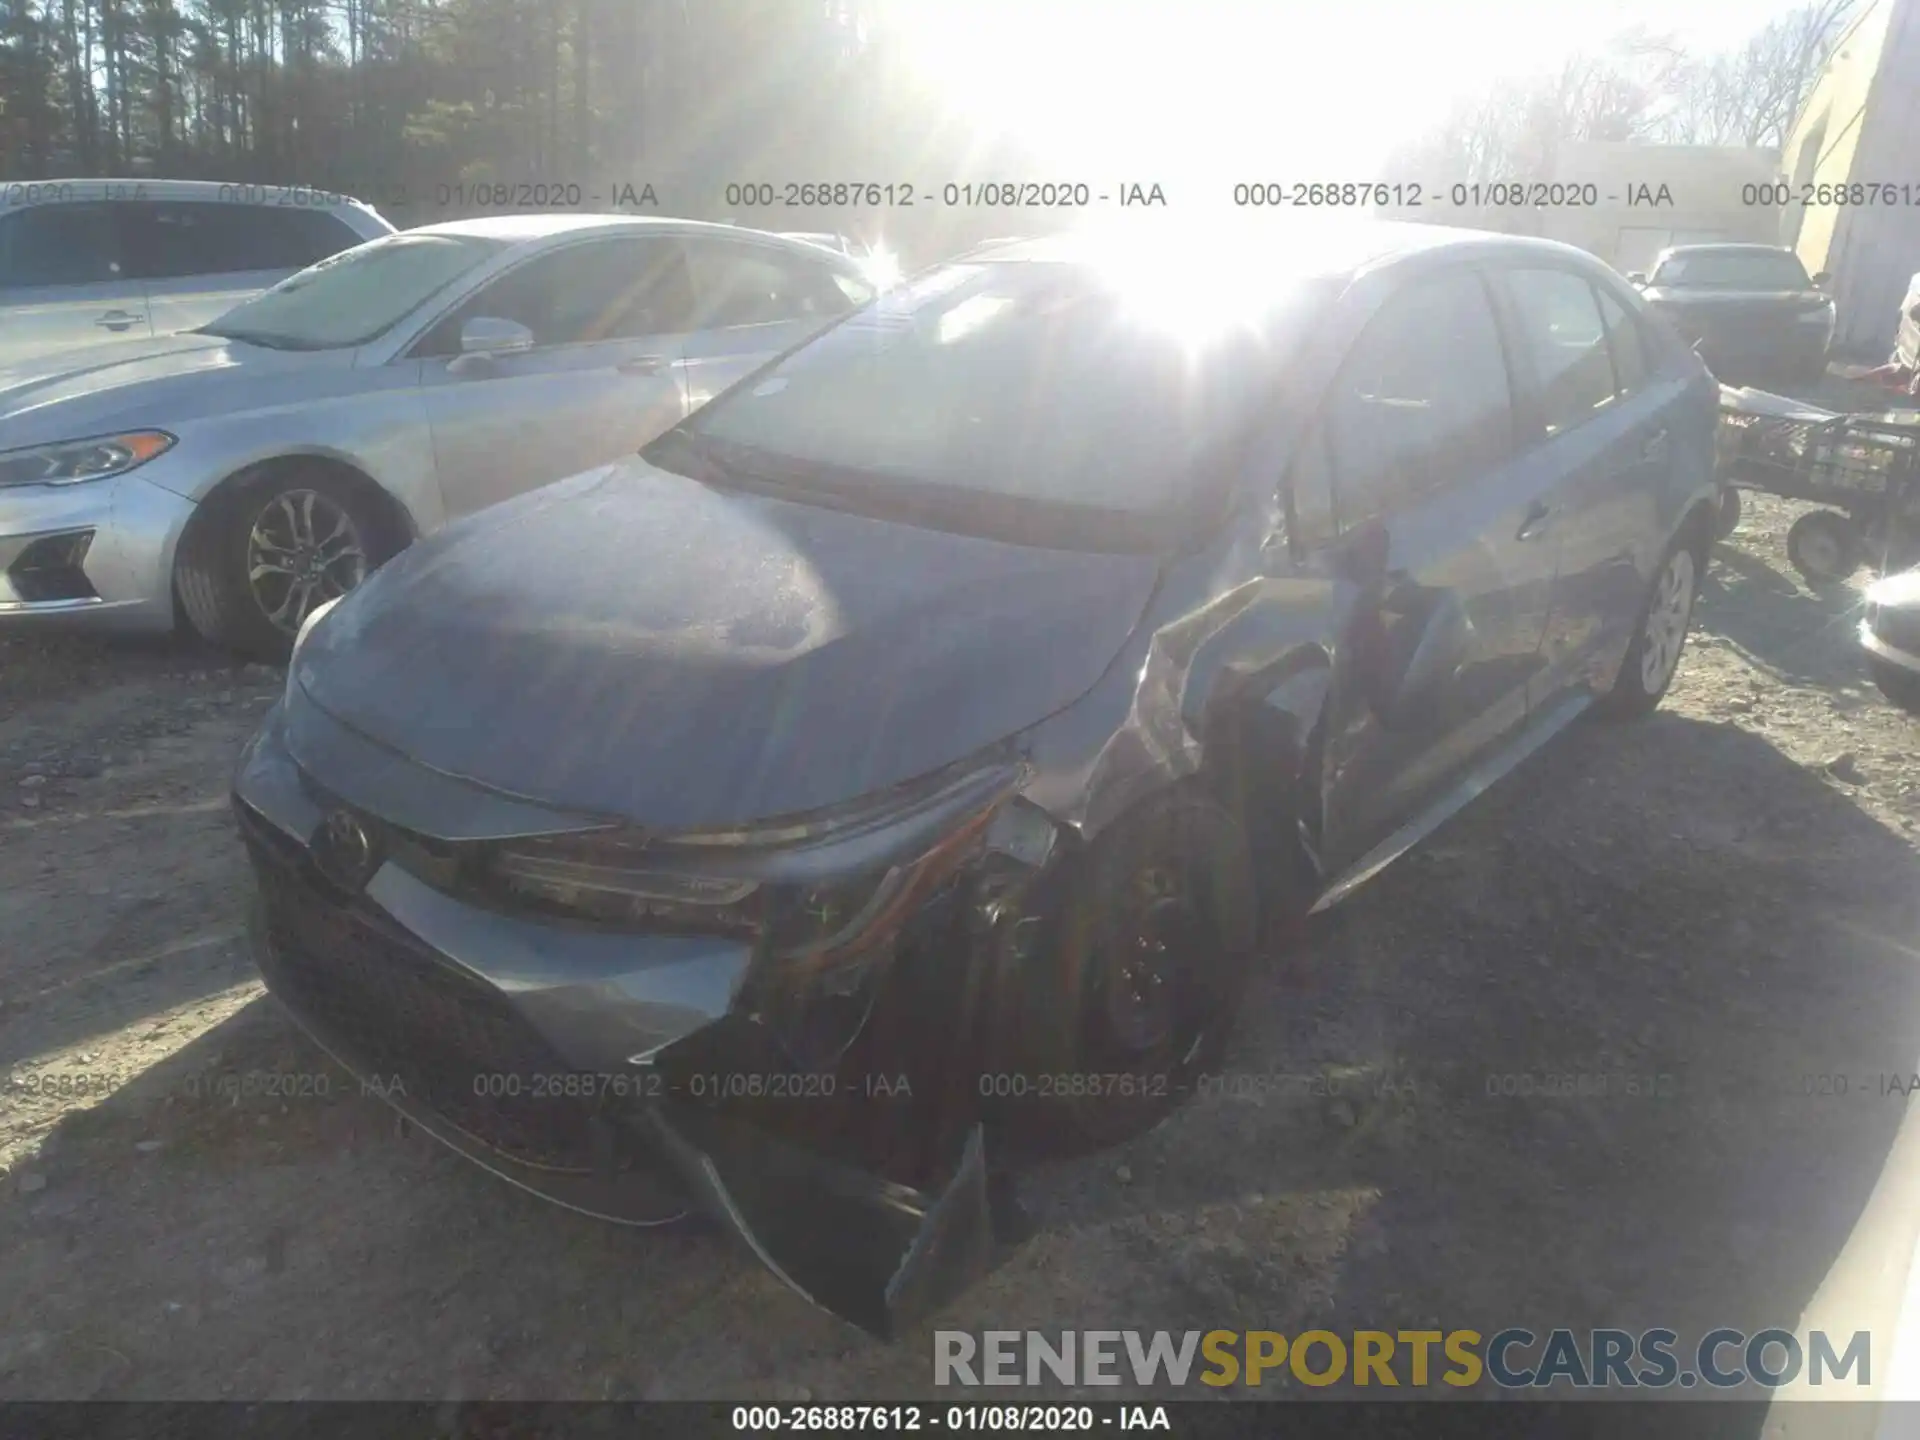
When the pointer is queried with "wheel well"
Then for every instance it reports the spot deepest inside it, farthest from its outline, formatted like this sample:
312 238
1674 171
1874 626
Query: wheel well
398 523
1698 528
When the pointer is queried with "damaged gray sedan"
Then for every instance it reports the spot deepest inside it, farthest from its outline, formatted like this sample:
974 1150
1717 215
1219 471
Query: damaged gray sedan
890 774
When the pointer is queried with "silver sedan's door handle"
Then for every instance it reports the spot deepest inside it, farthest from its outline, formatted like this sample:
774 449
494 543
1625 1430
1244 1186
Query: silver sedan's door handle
1534 523
118 320
644 365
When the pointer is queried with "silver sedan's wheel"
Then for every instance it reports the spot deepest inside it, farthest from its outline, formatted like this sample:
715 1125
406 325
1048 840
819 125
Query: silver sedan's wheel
303 550
1665 632
1660 637
265 551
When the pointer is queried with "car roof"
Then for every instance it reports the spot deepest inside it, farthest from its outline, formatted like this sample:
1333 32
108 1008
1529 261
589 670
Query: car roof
528 229
1333 249
136 188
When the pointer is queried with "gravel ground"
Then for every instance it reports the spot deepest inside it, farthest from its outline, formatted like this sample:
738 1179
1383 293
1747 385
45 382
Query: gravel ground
1718 900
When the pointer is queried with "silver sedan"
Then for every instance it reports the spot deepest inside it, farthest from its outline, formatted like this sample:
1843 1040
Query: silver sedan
243 474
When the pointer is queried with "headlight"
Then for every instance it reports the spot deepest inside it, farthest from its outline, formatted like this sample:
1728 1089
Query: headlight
72 461
618 878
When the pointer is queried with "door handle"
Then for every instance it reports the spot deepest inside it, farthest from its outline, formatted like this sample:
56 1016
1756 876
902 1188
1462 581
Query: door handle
1654 452
644 365
117 320
1534 523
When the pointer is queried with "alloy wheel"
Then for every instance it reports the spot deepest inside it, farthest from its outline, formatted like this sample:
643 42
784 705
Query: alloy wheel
304 549
1667 618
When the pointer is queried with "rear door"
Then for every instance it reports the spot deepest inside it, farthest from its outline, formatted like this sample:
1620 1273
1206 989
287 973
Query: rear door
608 318
1595 422
64 279
753 300
200 258
1420 437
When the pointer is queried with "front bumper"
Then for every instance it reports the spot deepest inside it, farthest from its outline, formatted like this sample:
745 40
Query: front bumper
97 554
602 1070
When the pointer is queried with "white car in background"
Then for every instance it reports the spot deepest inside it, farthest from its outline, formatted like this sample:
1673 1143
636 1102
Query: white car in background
250 470
89 262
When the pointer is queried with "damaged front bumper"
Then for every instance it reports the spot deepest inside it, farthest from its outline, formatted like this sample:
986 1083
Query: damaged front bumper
621 1075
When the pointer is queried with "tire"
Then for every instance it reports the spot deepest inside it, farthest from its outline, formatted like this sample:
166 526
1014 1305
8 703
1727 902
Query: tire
1659 636
1901 687
244 528
1727 518
1825 546
1136 998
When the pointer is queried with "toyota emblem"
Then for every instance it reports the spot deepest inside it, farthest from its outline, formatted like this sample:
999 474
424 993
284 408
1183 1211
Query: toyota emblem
344 850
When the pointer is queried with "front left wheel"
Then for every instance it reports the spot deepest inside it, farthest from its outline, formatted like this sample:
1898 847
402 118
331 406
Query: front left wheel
1654 655
267 553
1136 999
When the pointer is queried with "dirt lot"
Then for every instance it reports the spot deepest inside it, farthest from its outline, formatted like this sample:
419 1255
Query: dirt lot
1722 895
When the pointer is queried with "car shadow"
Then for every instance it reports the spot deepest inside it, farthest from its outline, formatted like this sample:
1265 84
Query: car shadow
1600 1070
1795 634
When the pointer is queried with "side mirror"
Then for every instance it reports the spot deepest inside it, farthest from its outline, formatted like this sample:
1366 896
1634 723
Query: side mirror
487 335
1637 279
1820 280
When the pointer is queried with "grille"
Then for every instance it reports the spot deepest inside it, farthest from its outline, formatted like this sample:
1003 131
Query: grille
399 1011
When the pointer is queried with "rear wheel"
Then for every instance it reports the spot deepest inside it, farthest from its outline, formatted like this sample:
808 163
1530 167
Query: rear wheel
1137 998
1825 546
1659 638
267 553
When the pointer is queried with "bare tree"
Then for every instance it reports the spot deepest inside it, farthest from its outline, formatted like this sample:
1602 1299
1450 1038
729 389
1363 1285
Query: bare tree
1750 96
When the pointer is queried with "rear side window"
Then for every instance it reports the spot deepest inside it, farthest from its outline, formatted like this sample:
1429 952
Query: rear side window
60 245
174 241
1627 342
1561 328
755 285
1423 401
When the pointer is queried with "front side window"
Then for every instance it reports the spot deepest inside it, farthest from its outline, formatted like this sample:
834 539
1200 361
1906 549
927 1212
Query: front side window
60 245
737 284
605 290
1423 402
1561 327
175 240
356 296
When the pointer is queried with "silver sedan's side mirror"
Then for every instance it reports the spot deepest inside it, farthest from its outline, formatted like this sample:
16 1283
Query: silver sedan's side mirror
487 335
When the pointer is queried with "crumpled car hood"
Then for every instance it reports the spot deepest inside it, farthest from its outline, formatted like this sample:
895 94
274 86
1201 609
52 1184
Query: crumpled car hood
162 382
634 644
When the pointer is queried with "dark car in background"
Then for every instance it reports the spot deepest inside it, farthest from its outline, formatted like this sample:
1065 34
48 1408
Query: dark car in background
897 764
1751 311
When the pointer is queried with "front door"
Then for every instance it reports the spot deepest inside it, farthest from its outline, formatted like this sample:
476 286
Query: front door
608 318
1596 423
64 280
1421 443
